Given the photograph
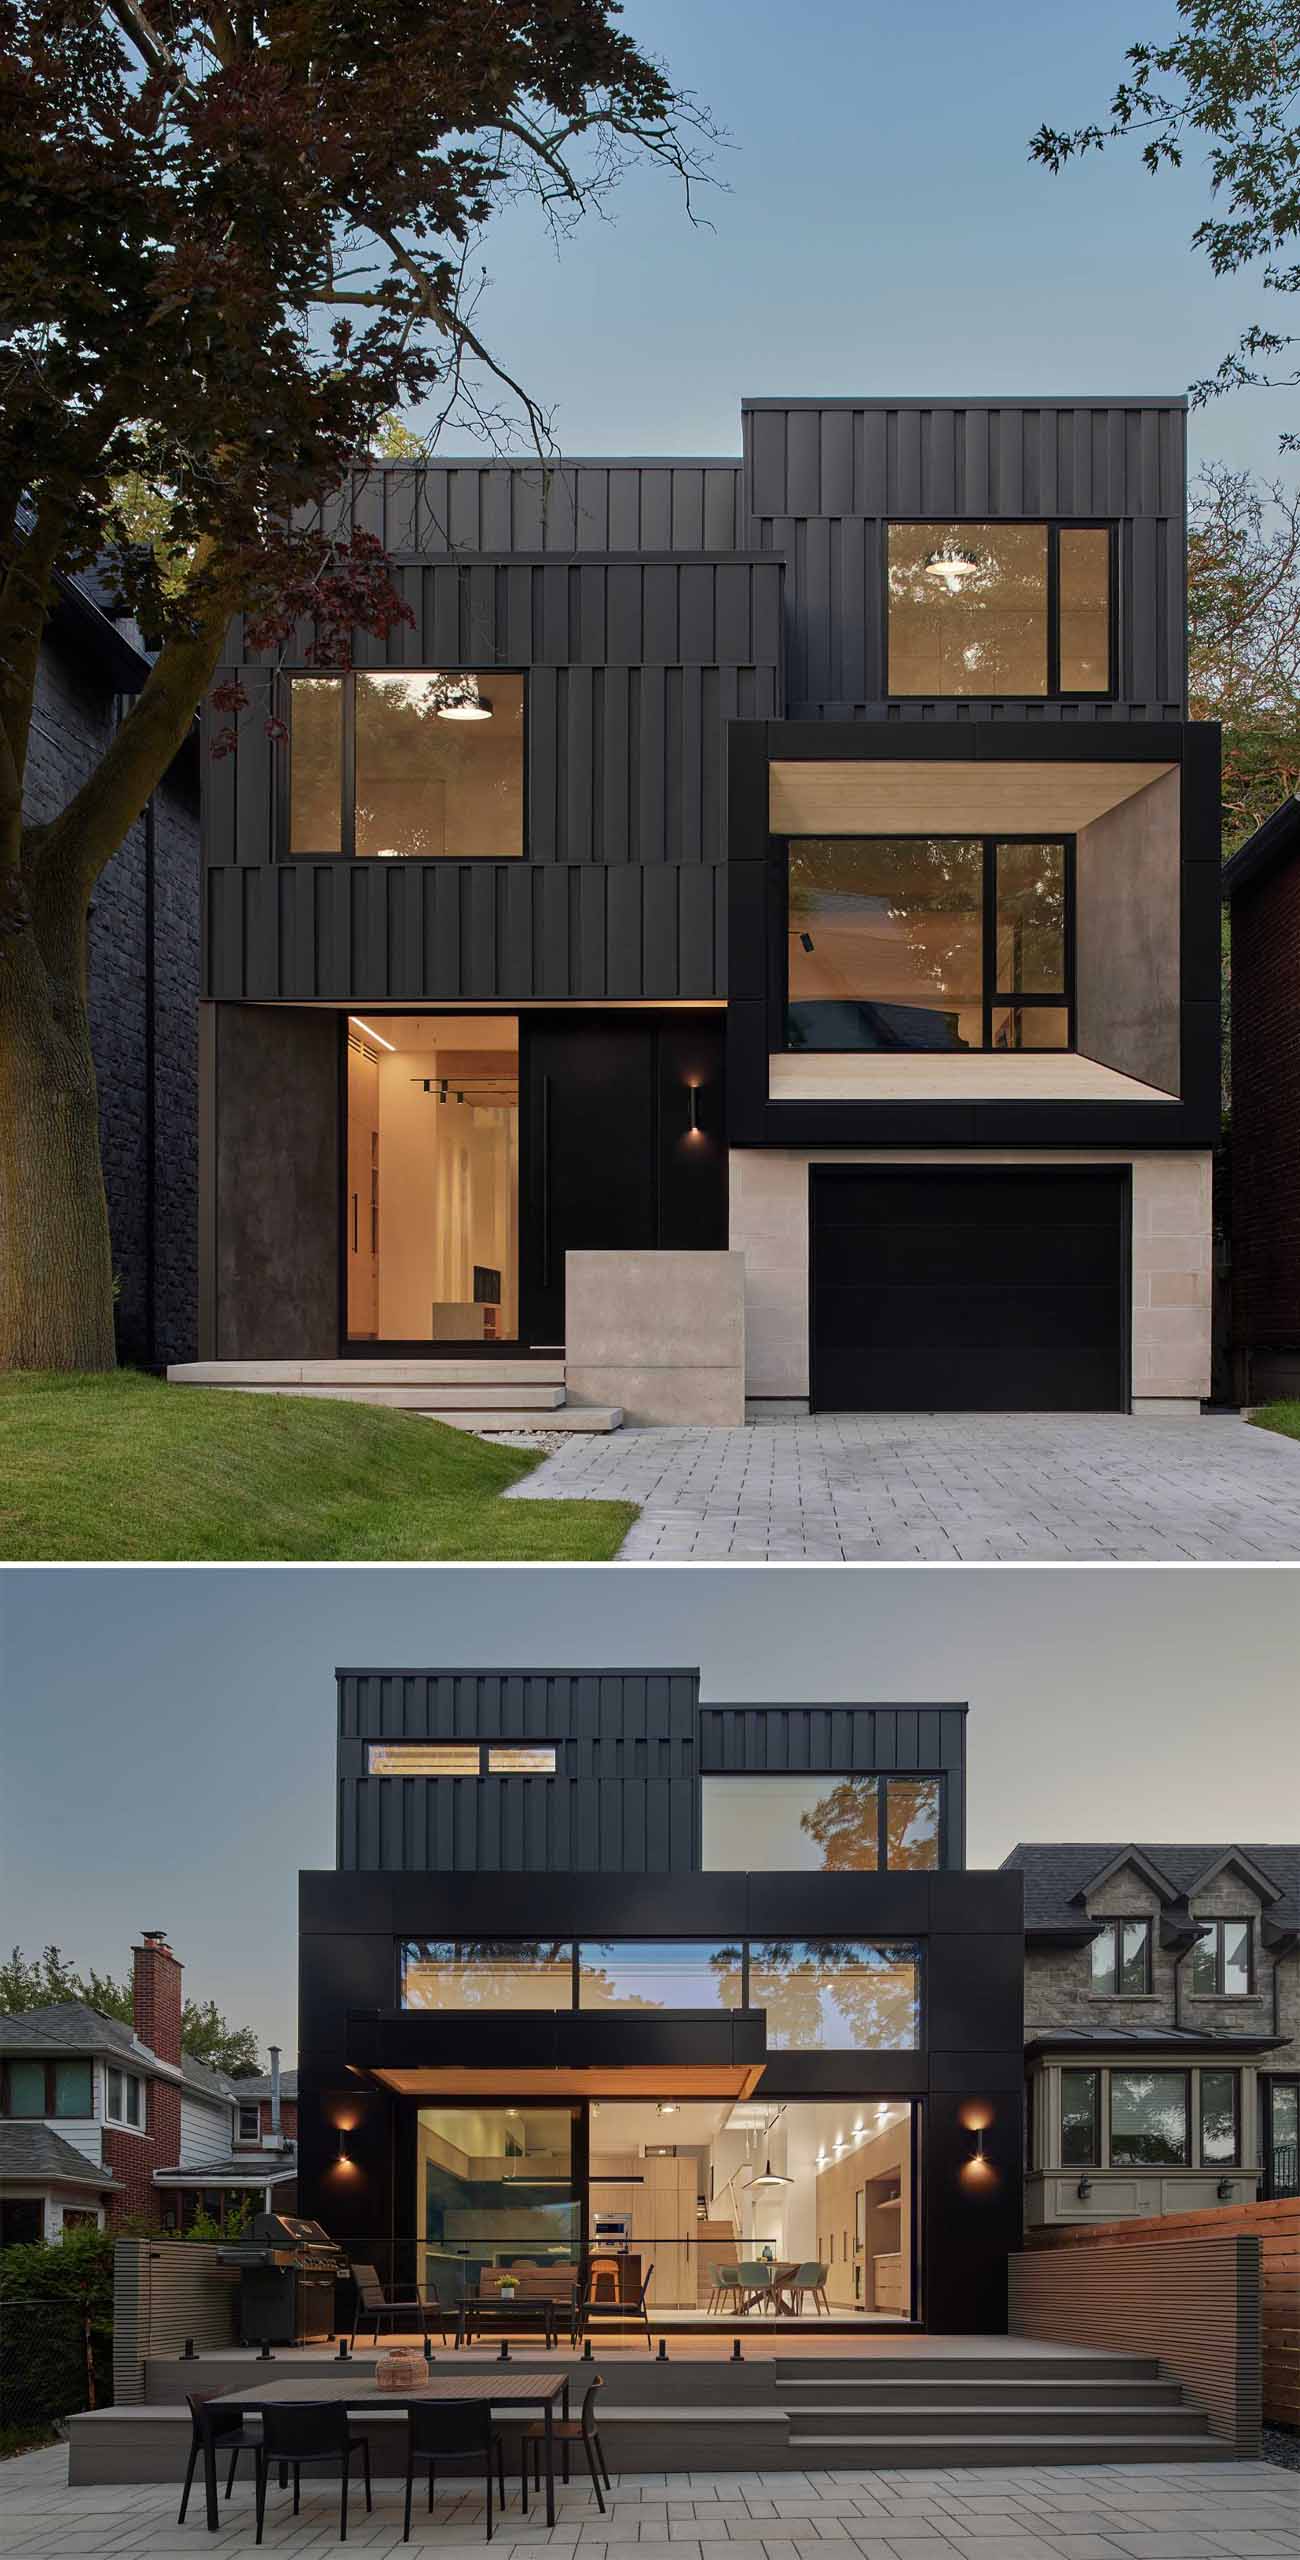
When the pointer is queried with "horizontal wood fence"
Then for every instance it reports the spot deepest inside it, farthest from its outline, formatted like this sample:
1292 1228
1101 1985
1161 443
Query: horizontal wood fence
165 2291
1192 2303
1277 2229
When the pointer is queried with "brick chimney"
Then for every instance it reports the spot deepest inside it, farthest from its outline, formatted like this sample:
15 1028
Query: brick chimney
156 1990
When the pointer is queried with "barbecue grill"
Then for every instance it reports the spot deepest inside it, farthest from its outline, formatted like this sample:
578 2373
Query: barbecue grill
287 2272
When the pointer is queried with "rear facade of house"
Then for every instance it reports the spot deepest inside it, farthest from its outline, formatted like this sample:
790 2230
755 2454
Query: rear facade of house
691 2004
805 857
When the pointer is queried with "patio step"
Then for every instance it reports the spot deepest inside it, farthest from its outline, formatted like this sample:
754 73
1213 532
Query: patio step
1028 2392
565 1417
942 2451
1050 2417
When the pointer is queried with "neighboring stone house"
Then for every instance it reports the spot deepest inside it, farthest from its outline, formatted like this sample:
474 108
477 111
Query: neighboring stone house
1262 887
143 975
1162 2026
103 2122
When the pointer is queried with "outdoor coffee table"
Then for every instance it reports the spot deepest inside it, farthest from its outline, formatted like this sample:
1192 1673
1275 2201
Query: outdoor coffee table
488 2311
501 2391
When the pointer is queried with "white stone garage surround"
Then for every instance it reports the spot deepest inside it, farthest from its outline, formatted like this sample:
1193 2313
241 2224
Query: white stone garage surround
1172 1259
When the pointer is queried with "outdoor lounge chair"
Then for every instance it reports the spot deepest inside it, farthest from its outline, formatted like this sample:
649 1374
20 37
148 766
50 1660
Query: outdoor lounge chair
379 2304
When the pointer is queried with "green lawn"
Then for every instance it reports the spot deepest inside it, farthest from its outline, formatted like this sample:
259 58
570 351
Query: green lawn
123 1469
1280 1417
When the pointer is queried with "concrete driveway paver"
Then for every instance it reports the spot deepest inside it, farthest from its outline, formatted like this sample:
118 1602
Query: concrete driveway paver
1169 2511
966 1488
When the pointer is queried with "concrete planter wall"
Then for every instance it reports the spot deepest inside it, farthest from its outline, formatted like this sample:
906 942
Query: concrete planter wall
661 1334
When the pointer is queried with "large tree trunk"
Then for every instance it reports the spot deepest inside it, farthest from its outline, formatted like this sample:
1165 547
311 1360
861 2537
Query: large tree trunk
56 1269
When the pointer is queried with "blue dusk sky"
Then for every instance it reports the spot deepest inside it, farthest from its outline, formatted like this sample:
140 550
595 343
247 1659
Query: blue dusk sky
882 231
167 1744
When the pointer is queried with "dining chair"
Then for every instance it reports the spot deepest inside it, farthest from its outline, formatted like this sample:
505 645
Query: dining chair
378 2304
304 2434
811 2278
452 2431
564 2432
222 2429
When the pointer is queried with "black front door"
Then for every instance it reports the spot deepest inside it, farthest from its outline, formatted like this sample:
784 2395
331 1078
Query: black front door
622 1145
979 1289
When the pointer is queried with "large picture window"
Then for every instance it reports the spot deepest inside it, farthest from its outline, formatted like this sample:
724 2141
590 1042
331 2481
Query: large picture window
999 609
820 1825
399 767
486 1973
929 942
670 1973
1149 2120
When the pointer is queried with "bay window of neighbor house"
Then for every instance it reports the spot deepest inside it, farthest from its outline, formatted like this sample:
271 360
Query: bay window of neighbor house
998 609
1080 2119
1149 2125
928 943
394 766
812 1825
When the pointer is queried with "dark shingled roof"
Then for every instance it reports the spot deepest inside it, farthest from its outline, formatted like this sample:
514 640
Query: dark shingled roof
71 2026
259 2085
1275 842
33 2151
1056 1870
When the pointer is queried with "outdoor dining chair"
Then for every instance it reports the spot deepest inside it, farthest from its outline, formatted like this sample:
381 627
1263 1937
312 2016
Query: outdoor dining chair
567 2431
380 2304
224 2430
452 2431
303 2434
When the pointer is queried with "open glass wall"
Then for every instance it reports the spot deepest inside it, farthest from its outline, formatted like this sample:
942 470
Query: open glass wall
497 2200
432 1201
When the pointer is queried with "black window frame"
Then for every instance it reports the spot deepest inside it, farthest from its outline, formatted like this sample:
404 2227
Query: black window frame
1218 1925
880 1779
1054 527
347 677
991 999
1114 1929
462 1742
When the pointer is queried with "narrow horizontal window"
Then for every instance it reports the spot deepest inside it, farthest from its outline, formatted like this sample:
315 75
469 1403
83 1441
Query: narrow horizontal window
423 1759
837 1994
487 1973
526 1759
671 1973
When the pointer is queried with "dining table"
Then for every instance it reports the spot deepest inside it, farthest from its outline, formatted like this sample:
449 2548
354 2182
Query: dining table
501 2391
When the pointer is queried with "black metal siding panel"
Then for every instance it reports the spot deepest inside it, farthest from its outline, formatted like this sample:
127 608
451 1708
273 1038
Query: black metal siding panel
825 1739
489 932
567 507
822 477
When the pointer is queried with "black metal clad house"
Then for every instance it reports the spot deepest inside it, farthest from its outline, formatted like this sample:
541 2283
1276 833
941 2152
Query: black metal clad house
808 854
694 1999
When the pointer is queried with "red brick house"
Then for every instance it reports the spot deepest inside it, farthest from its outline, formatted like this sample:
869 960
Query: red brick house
100 2121
1262 887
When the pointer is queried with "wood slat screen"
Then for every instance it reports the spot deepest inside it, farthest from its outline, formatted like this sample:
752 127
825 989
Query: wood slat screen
165 2291
1277 2228
1195 2304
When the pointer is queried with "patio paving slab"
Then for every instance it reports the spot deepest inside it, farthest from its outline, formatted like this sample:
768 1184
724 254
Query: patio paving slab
1229 2511
903 1488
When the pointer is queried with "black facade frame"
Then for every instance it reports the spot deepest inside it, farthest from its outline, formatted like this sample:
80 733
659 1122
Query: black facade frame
754 1019
1054 527
1117 1176
346 677
992 998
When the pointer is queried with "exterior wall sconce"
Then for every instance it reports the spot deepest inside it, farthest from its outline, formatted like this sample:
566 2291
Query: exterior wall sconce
344 2154
977 2144
693 1111
1224 2190
1084 2190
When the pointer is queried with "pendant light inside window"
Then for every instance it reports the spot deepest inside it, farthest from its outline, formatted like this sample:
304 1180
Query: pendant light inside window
459 698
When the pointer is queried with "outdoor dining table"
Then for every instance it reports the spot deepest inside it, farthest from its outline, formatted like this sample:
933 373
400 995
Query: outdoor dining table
504 2391
488 2311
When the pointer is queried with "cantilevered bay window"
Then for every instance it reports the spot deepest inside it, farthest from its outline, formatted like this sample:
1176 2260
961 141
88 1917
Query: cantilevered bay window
929 943
402 767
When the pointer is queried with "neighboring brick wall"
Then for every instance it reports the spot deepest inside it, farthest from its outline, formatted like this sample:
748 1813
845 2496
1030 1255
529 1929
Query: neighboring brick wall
131 2158
73 720
1266 1119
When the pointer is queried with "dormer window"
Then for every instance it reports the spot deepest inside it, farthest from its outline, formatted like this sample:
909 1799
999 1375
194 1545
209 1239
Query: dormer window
1000 609
1121 1958
1221 1961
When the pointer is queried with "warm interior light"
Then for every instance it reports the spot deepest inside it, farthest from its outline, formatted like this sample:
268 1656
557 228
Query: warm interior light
666 2107
460 699
951 569
371 1034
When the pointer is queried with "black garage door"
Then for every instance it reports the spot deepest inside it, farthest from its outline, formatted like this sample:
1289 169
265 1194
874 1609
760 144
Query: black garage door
975 1290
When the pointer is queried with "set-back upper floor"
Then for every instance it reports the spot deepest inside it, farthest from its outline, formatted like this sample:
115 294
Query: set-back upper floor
630 1773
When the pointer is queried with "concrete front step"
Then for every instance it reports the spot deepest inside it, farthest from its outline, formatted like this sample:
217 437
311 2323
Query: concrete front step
480 1398
567 1417
448 1371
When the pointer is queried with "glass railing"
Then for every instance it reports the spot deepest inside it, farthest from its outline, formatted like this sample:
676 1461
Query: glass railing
681 2276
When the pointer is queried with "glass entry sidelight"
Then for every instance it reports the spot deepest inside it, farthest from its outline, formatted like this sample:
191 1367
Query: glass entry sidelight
432 1195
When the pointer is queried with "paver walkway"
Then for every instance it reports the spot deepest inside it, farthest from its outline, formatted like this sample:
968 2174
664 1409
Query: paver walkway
1144 2511
1009 1488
